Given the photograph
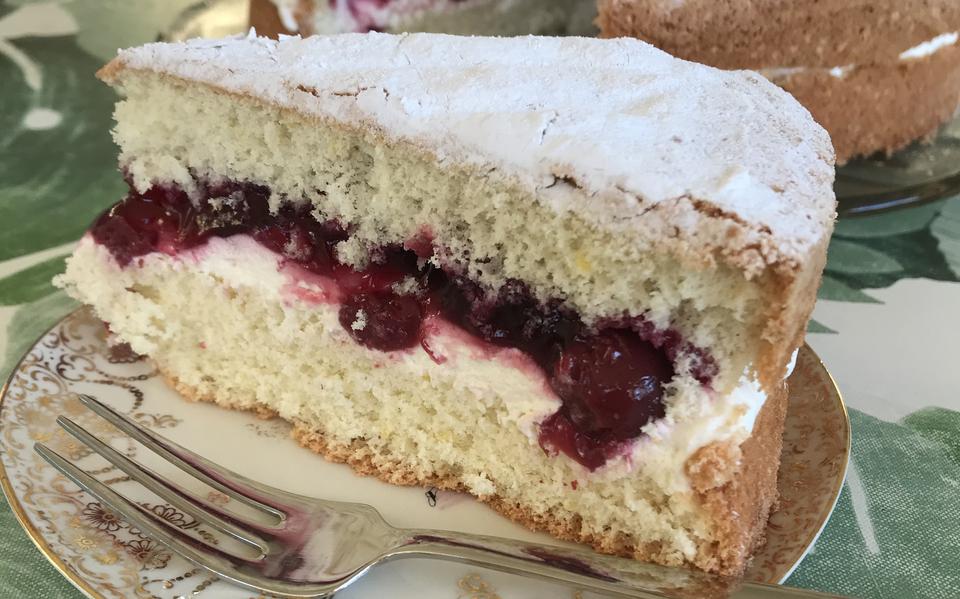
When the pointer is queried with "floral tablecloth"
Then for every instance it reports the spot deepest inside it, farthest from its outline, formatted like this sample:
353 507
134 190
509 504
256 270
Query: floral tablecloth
887 323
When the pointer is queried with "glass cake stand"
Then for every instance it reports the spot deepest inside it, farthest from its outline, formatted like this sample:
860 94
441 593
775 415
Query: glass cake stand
923 172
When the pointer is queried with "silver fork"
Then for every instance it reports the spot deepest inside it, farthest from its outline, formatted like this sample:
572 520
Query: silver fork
314 548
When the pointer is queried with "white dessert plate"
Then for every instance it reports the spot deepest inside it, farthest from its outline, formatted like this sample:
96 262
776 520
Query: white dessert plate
104 557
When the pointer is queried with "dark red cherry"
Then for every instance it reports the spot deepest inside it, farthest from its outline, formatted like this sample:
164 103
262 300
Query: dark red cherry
382 320
611 383
557 434
120 238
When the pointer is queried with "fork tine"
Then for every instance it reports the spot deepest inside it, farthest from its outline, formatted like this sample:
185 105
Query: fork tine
170 492
236 486
217 561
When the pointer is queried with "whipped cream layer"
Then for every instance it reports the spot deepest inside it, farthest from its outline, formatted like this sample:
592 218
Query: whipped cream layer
695 416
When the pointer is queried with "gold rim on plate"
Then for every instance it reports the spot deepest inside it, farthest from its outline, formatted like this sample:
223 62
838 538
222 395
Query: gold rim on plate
38 540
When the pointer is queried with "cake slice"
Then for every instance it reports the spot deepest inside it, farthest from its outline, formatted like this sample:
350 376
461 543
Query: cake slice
564 275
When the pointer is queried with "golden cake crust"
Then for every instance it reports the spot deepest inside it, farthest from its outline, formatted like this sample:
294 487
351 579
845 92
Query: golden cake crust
772 33
739 508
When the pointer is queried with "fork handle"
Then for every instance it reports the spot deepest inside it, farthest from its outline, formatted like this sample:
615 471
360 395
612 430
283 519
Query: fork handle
585 569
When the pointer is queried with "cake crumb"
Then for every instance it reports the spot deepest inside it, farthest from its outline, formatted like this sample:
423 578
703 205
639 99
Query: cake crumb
353 252
408 286
360 322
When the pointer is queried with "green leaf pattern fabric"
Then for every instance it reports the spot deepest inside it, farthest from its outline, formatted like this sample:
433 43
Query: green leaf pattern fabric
877 251
31 283
946 228
895 530
55 147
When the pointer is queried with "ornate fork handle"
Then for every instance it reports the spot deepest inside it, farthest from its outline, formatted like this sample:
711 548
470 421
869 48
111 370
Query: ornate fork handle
316 548
608 575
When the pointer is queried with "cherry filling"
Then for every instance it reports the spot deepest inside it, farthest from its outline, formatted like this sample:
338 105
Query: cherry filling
611 384
382 320
610 381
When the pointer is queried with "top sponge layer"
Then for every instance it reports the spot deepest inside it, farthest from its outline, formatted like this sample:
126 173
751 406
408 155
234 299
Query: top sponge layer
623 126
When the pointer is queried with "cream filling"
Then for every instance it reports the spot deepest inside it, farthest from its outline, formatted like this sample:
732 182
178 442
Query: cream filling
792 364
695 416
922 50
930 47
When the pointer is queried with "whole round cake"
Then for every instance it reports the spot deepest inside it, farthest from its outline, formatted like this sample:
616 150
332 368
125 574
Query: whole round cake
877 74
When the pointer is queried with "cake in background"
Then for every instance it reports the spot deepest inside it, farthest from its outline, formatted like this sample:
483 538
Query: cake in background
877 74
566 275
464 17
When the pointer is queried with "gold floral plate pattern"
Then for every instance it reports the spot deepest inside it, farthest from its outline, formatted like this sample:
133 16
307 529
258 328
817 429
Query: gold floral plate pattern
105 557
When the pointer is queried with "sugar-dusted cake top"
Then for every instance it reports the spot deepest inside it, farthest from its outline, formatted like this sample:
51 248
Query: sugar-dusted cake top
618 121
